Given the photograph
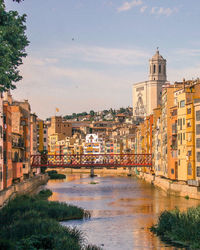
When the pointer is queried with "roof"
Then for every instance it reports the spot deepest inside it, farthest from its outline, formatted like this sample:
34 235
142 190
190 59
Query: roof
157 56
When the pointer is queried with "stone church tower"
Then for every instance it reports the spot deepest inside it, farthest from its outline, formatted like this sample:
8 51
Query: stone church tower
147 95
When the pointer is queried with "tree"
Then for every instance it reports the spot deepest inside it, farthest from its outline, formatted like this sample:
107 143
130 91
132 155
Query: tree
92 113
13 42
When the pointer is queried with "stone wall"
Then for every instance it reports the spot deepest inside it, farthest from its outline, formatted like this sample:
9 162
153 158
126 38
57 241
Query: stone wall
117 171
24 187
172 188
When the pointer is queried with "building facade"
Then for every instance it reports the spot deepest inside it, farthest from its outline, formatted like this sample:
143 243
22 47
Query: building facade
147 95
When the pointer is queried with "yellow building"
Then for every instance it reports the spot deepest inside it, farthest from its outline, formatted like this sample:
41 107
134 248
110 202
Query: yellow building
42 133
156 142
190 140
181 131
53 140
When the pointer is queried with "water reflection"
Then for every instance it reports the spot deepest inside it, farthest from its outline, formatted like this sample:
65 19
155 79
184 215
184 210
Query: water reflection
123 209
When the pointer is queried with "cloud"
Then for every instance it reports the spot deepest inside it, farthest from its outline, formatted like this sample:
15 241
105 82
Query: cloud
163 11
112 56
129 5
47 85
189 73
188 52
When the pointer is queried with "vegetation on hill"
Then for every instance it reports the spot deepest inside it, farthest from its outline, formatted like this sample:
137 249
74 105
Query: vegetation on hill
102 114
180 227
32 222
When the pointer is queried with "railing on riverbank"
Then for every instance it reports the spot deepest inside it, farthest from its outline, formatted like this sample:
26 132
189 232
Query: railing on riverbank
92 160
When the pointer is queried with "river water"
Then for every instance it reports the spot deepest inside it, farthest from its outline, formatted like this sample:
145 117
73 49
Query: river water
122 208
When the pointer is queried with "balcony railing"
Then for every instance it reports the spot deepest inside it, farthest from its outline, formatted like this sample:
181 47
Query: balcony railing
18 144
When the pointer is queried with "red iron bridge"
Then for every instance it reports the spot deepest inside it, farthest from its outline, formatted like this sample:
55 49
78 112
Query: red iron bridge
91 160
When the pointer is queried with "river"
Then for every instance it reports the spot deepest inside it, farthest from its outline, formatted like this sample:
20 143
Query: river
122 208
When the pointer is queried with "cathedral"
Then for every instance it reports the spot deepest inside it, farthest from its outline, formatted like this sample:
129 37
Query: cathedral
147 95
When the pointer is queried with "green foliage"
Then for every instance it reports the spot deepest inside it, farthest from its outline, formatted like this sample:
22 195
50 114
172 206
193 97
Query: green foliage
13 42
92 113
51 172
31 222
55 176
45 193
181 227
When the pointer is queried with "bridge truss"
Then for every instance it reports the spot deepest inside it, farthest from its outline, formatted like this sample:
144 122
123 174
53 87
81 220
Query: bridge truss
91 160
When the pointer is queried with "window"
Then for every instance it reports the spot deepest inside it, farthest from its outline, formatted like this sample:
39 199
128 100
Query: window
198 129
183 121
159 68
198 156
182 104
45 131
45 139
189 111
189 153
4 119
198 171
189 168
189 123
198 143
198 115
172 171
180 124
154 68
189 137
183 136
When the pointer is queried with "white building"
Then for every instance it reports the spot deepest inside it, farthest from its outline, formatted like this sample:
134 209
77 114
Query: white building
147 95
92 144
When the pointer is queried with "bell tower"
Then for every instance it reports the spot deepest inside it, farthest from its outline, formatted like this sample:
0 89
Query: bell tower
157 70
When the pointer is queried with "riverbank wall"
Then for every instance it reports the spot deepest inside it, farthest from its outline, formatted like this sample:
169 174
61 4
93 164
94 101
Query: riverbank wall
172 187
25 187
113 171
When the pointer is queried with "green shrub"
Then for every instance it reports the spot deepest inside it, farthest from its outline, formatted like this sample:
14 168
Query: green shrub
31 222
179 226
44 194
57 176
52 172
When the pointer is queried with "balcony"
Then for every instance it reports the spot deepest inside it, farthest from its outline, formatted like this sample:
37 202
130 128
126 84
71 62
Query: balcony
18 144
174 129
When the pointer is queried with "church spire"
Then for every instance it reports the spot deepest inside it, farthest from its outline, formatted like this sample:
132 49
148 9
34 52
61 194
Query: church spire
157 68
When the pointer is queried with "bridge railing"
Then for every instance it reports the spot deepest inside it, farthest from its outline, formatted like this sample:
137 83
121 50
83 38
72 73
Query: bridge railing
91 160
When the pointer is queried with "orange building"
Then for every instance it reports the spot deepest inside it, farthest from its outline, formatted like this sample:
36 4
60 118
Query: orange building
7 146
172 146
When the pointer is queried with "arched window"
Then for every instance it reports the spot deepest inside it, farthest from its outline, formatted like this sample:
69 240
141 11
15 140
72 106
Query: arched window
189 168
154 68
159 68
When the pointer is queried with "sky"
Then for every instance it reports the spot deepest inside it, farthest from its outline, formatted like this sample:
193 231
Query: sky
86 54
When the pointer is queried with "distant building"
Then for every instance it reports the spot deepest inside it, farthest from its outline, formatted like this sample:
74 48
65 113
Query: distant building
92 144
58 126
147 95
